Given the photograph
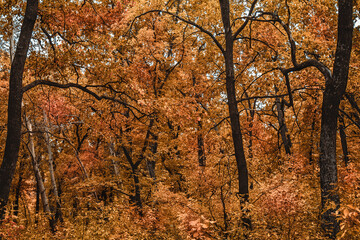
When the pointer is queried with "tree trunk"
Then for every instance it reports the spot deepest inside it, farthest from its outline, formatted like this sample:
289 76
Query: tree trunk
51 168
37 202
13 137
39 179
282 125
18 190
201 148
113 153
150 164
252 117
200 137
136 198
334 90
233 108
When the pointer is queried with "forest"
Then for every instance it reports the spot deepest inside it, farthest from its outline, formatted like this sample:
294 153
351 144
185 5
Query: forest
179 119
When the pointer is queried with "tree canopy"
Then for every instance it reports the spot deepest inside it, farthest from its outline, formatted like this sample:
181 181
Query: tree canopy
179 119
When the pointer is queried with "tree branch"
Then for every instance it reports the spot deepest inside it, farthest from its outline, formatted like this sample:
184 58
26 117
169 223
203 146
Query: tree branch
80 87
238 31
185 21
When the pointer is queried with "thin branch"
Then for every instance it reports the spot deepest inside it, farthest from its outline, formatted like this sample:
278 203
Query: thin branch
80 87
351 99
296 66
270 96
350 118
185 21
238 31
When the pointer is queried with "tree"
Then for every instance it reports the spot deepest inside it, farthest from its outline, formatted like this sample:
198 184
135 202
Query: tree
131 131
335 86
10 158
230 37
228 55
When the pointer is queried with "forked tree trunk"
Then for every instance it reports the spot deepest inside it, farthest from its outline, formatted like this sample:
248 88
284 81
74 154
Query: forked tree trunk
13 137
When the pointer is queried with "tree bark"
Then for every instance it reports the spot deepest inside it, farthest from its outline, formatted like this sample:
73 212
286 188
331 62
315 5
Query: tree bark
18 190
233 108
334 90
13 137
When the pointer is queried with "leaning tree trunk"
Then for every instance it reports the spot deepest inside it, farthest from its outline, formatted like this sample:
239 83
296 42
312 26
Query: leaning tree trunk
282 124
59 214
233 108
334 90
39 179
13 137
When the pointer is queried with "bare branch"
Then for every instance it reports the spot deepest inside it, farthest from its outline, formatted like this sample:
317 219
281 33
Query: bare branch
238 31
296 66
185 21
80 87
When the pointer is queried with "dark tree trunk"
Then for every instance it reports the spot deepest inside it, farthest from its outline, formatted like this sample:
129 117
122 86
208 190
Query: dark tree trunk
334 89
150 164
18 191
251 125
282 125
13 137
136 198
201 147
200 137
233 108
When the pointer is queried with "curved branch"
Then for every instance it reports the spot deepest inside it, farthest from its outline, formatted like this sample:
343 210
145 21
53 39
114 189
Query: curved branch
296 66
185 21
80 87
260 41
271 96
350 118
238 31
